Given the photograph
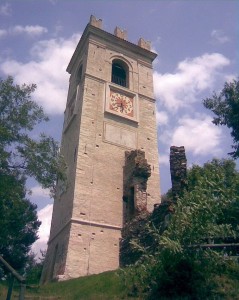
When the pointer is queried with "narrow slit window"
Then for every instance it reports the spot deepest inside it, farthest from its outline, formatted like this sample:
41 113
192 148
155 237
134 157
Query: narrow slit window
79 75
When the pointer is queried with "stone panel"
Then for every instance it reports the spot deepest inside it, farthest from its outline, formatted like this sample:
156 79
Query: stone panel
120 136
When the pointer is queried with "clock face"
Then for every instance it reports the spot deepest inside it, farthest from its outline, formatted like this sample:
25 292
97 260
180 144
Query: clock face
121 103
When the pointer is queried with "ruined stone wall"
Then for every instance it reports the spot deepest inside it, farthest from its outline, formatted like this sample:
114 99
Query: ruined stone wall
178 170
135 177
138 227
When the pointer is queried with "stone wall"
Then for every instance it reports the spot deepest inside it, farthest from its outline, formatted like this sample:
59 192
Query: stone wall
135 176
136 229
178 170
139 227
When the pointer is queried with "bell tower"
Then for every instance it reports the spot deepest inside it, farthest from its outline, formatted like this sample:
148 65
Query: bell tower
110 110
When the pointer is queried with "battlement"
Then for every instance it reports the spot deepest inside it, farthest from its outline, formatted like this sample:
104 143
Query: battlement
95 22
120 33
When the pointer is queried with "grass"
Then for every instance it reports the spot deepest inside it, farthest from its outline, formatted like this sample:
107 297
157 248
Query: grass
228 288
109 286
105 286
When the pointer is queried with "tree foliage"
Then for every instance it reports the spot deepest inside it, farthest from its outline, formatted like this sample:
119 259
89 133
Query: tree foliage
177 265
33 268
22 156
225 106
224 174
18 150
18 222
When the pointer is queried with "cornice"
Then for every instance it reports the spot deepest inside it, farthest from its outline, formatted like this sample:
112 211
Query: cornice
92 32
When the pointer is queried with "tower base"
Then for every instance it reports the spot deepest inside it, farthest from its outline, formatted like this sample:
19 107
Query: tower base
80 249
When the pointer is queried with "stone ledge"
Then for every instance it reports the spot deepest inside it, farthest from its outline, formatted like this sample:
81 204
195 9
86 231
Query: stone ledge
96 224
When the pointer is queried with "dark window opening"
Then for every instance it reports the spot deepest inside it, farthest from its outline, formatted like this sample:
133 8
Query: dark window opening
53 262
131 207
119 74
75 154
79 74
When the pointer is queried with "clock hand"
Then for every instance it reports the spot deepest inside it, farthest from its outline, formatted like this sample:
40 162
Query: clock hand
121 106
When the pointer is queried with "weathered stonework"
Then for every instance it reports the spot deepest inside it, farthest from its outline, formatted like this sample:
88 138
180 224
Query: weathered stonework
136 174
88 217
178 169
144 44
120 33
95 22
137 228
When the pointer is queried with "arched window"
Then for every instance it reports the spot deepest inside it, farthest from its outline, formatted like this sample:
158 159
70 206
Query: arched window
119 73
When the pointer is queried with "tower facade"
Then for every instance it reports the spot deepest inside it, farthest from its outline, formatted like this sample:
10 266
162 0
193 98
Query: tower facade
110 110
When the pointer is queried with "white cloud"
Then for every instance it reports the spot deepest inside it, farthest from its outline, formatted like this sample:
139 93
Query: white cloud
58 29
192 77
219 36
47 69
29 30
231 77
163 159
5 9
38 191
3 32
165 135
44 215
162 118
198 135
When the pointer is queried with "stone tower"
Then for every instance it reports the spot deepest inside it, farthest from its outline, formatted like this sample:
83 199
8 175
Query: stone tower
110 110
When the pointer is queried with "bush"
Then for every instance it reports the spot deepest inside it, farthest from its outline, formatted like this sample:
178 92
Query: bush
178 265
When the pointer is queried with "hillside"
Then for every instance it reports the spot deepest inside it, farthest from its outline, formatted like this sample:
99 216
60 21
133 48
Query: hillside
109 286
105 286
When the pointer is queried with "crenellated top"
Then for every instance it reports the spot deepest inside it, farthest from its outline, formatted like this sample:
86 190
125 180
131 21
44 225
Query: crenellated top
95 22
144 44
94 31
120 33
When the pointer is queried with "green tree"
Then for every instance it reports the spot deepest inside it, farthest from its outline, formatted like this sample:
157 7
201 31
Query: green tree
176 265
22 156
18 222
225 106
18 150
223 172
34 268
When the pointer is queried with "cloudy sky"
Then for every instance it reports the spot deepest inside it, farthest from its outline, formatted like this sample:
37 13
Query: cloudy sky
197 46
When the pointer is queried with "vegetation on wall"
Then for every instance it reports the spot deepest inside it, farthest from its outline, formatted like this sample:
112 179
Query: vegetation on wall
177 259
180 264
190 259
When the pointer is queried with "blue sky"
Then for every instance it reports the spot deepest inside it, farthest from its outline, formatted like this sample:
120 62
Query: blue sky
197 46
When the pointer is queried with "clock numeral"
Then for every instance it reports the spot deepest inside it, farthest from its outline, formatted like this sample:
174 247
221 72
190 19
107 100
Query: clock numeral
121 104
